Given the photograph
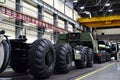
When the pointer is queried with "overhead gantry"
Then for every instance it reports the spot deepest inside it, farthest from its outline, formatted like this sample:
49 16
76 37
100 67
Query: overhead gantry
102 21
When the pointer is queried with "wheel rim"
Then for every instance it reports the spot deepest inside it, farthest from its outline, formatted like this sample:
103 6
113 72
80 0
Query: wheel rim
49 58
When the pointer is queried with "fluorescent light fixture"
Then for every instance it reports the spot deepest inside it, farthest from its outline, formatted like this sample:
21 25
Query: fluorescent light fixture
110 10
107 4
75 1
82 7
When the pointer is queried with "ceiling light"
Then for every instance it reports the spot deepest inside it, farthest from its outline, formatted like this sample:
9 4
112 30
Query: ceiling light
107 4
75 1
110 10
82 7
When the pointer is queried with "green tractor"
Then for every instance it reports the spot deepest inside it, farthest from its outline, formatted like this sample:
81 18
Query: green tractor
77 47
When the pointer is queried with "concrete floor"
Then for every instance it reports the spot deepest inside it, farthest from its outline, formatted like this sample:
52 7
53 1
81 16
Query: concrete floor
111 72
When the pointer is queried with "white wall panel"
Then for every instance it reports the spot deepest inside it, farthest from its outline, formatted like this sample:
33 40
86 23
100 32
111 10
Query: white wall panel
29 10
60 23
59 6
31 36
9 30
70 27
50 2
9 4
108 31
48 18
75 15
68 11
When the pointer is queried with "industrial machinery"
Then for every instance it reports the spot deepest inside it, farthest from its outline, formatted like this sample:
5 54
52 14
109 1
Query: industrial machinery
114 49
77 47
42 58
104 53
38 57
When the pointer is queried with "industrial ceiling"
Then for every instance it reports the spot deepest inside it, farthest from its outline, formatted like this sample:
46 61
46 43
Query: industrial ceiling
97 7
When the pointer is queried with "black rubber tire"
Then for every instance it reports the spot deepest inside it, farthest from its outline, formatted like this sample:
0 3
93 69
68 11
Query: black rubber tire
90 57
7 55
80 64
63 58
41 59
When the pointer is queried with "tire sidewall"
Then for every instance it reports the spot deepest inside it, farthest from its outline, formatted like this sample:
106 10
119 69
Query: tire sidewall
50 69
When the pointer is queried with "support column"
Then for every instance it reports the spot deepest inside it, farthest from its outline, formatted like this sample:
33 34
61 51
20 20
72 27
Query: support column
94 33
40 17
18 22
55 22
74 28
65 7
73 13
84 29
66 24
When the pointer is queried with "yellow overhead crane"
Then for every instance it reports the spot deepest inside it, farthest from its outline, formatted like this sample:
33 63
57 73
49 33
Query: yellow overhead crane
102 21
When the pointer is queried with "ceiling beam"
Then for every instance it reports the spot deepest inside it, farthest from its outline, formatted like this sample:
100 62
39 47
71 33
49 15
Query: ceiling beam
104 21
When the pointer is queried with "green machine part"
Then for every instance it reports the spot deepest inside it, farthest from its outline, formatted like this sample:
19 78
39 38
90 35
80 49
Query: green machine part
83 38
62 38
86 36
88 39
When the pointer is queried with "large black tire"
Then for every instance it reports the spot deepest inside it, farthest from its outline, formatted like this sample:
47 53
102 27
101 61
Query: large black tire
63 58
80 64
7 55
41 59
90 57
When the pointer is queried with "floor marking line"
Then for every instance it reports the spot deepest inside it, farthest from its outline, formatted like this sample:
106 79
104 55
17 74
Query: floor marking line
94 71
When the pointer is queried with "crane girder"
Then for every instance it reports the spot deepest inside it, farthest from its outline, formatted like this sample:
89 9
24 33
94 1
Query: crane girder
102 21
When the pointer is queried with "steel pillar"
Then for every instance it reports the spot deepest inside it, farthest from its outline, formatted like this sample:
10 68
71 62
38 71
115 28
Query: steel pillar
66 24
65 7
55 22
40 17
84 29
74 28
19 9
